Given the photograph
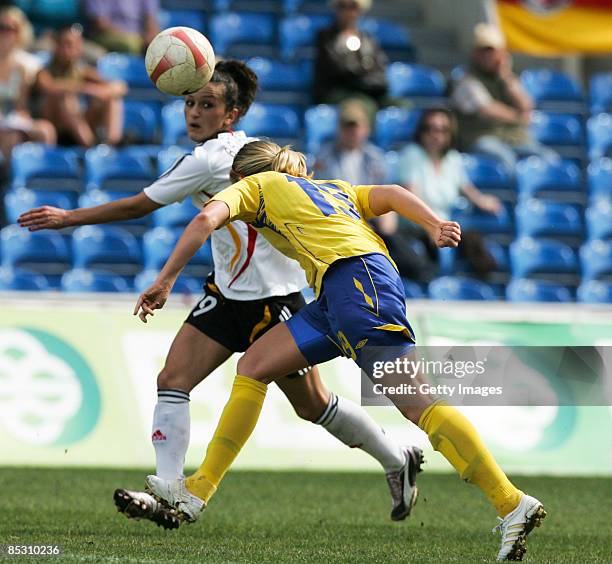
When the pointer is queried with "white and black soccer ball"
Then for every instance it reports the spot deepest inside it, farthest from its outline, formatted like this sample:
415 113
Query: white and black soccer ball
180 60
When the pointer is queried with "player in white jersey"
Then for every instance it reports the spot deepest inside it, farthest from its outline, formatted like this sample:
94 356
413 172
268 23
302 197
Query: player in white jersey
253 288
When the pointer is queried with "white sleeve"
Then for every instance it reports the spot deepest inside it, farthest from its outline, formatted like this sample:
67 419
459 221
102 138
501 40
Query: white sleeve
187 176
470 96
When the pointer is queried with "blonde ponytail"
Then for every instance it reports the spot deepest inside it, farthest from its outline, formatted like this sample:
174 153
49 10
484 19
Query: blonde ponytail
261 156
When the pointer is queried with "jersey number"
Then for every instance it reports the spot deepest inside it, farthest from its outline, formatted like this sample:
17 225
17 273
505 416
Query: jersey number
316 194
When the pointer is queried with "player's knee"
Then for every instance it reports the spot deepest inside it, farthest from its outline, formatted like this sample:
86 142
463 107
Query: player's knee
411 413
170 378
251 366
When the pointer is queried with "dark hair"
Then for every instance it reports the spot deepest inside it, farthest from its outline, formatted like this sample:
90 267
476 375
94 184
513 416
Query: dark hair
240 84
76 28
422 123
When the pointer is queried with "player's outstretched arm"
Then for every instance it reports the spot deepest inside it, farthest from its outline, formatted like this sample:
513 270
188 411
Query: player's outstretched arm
214 215
49 217
383 199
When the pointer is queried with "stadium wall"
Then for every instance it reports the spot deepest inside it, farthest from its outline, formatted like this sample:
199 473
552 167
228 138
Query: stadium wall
77 388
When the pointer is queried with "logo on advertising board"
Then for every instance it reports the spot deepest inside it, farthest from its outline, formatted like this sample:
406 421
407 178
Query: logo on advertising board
48 392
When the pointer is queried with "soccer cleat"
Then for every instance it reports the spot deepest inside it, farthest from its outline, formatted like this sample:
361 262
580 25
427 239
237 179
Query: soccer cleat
141 505
515 527
402 484
176 495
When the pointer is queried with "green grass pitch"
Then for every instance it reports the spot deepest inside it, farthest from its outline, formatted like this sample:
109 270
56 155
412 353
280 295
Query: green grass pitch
299 517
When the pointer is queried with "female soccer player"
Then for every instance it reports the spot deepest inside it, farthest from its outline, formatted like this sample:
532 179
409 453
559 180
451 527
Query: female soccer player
360 304
253 288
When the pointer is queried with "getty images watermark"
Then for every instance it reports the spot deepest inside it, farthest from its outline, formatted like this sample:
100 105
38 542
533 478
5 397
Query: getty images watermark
487 375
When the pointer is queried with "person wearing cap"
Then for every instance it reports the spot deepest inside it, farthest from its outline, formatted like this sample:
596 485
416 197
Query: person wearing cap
349 62
493 110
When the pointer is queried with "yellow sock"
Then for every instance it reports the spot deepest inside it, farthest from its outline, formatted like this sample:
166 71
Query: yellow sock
235 426
451 434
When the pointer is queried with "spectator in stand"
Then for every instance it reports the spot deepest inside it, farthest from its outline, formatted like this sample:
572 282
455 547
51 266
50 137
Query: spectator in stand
352 157
493 108
349 62
433 170
127 27
64 80
16 123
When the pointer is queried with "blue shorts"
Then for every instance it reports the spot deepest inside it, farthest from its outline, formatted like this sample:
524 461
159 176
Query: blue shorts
361 304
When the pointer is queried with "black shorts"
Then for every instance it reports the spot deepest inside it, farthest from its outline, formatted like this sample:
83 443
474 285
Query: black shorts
237 324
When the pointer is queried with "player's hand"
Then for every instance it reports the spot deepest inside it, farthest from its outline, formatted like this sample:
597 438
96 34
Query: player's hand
151 299
45 217
447 234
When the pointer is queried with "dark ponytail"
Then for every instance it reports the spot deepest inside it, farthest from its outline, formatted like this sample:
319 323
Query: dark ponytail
240 84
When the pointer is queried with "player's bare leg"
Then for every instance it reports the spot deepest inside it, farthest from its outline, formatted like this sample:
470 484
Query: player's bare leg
192 357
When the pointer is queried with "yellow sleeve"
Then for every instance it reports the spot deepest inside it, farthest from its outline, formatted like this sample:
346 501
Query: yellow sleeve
362 196
242 199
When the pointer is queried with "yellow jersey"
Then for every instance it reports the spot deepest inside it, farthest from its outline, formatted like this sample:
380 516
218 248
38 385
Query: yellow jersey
315 222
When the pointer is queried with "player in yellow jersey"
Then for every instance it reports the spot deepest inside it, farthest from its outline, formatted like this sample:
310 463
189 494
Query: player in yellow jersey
360 305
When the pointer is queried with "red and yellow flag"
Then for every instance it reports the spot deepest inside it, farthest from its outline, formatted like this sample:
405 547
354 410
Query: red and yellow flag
557 27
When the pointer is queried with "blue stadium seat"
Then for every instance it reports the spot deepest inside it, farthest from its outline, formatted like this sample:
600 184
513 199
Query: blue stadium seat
23 280
595 292
271 6
472 218
531 257
38 166
599 130
140 121
158 244
243 34
282 123
536 176
416 81
600 178
489 175
21 200
298 34
305 6
168 156
557 129
129 68
600 91
45 252
525 290
283 82
188 18
174 129
395 127
320 123
99 197
175 215
541 218
599 219
458 288
108 247
84 280
183 285
545 85
596 260
125 170
412 290
393 37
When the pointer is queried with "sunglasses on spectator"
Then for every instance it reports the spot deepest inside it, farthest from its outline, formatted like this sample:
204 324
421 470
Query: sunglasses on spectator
8 28
436 128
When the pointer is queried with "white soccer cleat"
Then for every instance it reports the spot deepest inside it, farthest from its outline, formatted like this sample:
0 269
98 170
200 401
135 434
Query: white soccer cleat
176 494
402 484
515 527
141 505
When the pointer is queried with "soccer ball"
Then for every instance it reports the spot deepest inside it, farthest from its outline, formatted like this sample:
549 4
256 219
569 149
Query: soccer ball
180 60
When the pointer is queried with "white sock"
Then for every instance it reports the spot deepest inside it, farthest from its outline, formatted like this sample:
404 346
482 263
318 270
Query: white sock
351 424
170 434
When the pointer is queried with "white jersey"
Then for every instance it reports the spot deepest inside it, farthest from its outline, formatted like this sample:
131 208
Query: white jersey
247 267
